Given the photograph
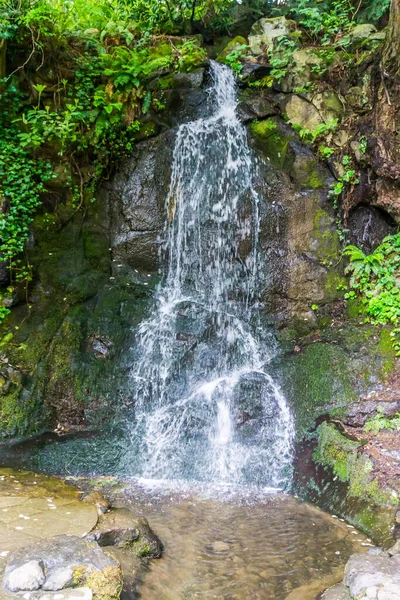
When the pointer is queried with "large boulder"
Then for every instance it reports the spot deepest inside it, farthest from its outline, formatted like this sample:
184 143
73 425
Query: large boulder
62 562
265 33
302 112
373 577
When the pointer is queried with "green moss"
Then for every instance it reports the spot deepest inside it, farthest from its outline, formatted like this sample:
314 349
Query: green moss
353 308
307 173
386 353
233 45
349 465
318 380
105 584
147 129
329 250
273 141
141 549
333 284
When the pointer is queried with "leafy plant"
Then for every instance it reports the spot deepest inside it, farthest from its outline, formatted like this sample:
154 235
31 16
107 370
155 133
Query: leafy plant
380 422
374 280
234 58
281 58
323 20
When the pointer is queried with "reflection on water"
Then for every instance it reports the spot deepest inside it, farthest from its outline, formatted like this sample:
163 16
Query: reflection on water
275 549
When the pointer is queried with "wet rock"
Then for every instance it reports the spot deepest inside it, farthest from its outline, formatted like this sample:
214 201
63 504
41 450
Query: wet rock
265 33
27 577
100 347
121 528
137 196
82 593
59 578
98 501
373 577
54 563
255 104
368 226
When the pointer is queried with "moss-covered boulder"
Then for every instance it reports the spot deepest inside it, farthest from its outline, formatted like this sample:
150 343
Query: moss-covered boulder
302 112
272 138
236 45
266 32
330 370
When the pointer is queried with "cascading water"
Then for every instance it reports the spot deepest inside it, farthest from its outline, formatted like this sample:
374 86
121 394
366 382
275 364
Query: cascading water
205 407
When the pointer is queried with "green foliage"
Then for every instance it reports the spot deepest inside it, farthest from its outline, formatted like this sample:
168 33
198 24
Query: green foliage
319 132
96 111
234 58
371 11
325 152
325 21
374 280
380 421
281 58
349 177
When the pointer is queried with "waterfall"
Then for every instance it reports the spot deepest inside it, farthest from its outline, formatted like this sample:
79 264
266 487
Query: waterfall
205 408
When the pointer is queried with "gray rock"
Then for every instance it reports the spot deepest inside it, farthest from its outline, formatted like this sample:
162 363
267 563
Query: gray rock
58 579
55 556
301 112
362 32
360 412
364 572
265 31
337 592
28 576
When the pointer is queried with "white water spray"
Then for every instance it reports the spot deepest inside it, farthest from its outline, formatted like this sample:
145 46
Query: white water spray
205 407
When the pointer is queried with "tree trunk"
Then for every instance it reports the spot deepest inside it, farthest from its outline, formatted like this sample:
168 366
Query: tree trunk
3 48
391 52
387 109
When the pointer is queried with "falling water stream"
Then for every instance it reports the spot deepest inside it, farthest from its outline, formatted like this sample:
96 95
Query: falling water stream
208 452
205 407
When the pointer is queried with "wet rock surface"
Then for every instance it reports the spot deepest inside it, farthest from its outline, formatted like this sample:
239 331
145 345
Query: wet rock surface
46 547
372 576
54 564
121 528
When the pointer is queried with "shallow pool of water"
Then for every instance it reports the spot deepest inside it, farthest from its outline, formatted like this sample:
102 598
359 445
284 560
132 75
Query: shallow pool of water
270 548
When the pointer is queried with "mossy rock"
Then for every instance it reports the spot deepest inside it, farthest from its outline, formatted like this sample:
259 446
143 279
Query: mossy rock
272 138
105 584
316 380
329 374
307 172
236 44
